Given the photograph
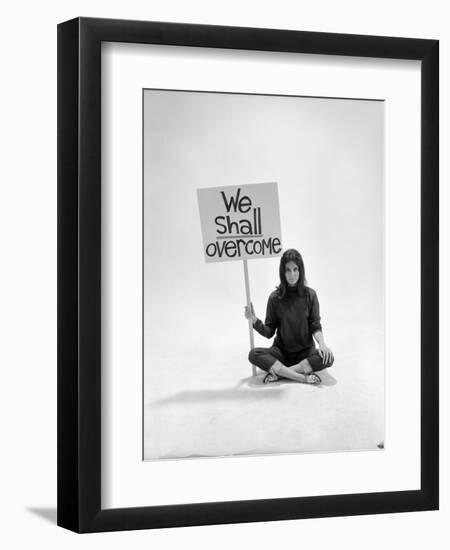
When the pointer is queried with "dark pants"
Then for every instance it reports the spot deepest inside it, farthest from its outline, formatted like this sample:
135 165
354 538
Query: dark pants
264 358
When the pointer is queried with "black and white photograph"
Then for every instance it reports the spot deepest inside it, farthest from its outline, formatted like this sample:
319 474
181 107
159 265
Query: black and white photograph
226 267
263 274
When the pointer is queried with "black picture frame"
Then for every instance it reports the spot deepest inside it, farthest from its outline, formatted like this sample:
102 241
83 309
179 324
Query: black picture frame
79 274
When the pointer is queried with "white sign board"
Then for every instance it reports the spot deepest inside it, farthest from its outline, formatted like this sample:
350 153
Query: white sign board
240 222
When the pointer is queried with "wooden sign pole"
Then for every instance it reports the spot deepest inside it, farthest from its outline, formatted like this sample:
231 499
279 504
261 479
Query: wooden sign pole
250 324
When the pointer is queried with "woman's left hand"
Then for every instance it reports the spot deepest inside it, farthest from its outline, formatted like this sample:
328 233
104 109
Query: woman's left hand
326 354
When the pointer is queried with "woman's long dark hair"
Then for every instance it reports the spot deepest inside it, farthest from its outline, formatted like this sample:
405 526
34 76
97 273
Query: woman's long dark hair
291 255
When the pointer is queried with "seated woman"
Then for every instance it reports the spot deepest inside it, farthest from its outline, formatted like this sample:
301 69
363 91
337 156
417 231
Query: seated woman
293 312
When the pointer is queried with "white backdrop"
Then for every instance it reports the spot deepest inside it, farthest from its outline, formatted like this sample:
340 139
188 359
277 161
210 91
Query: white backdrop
28 295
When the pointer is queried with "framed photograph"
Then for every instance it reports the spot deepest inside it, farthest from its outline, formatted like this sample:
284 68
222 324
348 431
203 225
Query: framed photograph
247 275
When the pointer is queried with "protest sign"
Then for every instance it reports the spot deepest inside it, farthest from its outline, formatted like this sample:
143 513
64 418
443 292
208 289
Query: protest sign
240 222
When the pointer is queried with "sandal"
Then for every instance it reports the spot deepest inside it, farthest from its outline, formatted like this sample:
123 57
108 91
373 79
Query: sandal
270 377
313 378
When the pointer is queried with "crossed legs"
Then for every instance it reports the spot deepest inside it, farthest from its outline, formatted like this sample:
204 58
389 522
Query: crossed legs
273 361
300 372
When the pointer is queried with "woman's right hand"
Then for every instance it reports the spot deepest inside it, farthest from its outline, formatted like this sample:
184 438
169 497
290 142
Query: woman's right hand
249 313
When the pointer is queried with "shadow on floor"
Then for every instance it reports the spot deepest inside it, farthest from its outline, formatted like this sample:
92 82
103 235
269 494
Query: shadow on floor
49 514
242 391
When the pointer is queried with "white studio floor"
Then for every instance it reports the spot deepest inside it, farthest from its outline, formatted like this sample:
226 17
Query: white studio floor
218 409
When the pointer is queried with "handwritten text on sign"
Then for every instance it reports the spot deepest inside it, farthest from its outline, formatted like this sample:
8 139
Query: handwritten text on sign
241 221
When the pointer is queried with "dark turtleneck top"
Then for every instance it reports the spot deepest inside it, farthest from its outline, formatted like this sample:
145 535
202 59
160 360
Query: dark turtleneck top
294 318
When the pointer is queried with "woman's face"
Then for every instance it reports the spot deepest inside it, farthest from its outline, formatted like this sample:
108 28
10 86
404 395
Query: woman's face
292 273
